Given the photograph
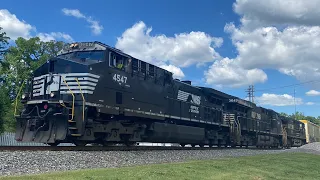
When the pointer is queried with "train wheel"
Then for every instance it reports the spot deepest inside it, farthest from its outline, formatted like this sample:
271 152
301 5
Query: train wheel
130 143
80 143
53 144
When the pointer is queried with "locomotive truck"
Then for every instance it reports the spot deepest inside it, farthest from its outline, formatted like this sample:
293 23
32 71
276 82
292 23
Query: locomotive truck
94 93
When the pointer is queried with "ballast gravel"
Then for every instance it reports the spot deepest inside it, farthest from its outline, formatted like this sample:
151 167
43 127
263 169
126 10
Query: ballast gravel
35 162
313 148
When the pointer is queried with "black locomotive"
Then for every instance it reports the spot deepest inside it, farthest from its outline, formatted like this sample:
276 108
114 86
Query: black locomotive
93 93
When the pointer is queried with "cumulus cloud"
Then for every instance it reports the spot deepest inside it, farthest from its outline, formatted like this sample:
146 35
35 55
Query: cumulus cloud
227 73
256 14
184 50
181 50
313 93
278 34
96 28
14 28
55 36
310 103
177 72
292 51
278 100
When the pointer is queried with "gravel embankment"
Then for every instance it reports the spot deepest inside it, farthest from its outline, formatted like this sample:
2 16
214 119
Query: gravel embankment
17 163
313 148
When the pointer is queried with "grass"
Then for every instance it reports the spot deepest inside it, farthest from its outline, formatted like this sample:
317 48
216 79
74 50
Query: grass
284 166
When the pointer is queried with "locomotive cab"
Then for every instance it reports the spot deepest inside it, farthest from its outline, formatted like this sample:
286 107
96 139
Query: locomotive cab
55 90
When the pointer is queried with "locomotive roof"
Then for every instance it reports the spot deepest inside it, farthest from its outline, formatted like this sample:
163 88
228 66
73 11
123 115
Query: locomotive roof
233 99
97 45
219 93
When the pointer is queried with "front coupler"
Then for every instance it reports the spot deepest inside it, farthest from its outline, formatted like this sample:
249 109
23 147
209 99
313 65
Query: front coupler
42 124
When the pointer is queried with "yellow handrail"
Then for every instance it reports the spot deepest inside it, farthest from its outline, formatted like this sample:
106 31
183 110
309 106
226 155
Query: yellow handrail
83 100
15 107
72 98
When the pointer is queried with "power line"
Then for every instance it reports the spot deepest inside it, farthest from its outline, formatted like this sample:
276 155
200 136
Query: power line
291 85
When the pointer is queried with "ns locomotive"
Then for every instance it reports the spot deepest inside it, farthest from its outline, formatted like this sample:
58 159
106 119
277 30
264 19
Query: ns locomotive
94 93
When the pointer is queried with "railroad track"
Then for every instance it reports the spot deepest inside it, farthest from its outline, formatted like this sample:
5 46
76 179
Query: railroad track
116 148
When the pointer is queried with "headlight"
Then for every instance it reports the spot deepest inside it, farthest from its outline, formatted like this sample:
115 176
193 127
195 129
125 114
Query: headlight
51 94
23 96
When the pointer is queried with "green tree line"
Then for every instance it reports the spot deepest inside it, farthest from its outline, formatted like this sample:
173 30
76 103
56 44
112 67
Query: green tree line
301 116
18 60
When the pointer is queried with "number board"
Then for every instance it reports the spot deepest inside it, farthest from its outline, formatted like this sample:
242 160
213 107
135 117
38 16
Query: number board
121 79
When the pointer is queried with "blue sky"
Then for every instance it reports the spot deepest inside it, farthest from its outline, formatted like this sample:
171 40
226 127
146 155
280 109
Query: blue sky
256 48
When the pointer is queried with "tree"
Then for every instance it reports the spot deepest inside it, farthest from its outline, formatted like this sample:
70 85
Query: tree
297 116
20 61
25 57
3 42
284 114
2 109
3 100
300 116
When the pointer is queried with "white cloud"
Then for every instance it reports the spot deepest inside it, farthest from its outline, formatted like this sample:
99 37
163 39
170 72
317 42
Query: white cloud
227 73
55 36
73 12
14 27
182 50
278 100
256 14
313 93
310 103
293 51
277 34
177 72
96 28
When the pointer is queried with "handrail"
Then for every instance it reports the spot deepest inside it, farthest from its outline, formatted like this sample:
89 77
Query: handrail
83 100
239 125
72 98
15 107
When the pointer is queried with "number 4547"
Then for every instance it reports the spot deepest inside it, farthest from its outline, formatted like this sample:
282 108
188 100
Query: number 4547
120 78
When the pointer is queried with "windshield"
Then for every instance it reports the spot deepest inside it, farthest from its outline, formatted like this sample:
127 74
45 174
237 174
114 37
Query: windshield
84 55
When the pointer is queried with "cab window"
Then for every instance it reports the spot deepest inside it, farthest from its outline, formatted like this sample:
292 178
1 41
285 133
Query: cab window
120 62
85 55
90 55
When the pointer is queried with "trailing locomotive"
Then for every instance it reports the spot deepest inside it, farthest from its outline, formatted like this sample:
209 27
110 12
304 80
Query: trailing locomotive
93 93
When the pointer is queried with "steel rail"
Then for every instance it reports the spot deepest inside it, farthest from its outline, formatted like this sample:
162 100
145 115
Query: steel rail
119 148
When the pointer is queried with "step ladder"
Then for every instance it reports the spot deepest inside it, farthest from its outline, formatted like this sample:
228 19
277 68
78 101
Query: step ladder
72 122
234 124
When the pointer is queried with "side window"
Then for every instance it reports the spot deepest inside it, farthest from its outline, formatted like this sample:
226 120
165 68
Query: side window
135 65
120 62
143 68
151 70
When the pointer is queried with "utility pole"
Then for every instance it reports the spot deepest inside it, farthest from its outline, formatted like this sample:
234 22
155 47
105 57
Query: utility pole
294 100
250 92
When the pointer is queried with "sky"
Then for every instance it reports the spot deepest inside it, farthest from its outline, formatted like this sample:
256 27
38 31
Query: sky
223 44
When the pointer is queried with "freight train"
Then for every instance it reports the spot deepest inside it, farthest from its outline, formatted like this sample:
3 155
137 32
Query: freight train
94 93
